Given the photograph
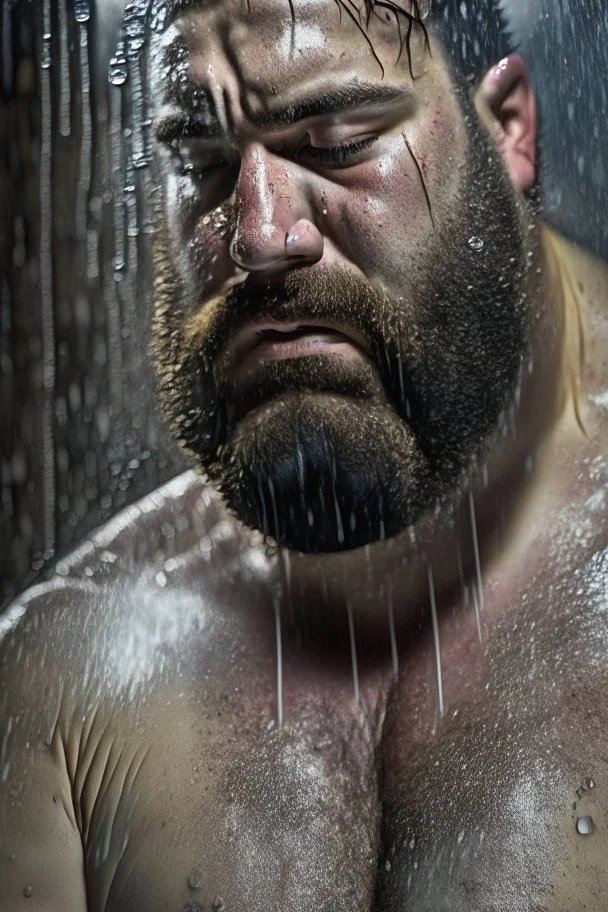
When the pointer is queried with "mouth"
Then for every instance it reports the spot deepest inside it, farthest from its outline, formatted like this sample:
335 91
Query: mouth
277 341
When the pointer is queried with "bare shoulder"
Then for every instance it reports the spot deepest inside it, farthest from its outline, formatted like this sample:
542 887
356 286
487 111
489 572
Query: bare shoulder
583 453
589 276
123 607
589 270
96 664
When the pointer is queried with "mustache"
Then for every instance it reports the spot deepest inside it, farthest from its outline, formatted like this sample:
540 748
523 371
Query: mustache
310 294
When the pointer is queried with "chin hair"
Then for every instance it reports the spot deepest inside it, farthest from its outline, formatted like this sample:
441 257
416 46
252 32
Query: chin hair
298 469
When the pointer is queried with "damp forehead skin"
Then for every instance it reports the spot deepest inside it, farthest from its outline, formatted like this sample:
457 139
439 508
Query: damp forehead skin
373 216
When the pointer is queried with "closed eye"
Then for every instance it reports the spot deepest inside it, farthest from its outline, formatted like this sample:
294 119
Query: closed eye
202 163
335 156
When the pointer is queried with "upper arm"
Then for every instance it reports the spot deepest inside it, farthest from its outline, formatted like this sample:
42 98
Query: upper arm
41 855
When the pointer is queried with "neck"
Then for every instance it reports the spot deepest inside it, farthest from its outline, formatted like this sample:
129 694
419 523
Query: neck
387 588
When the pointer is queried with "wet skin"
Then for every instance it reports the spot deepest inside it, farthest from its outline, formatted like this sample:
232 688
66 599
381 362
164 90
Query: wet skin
149 759
143 766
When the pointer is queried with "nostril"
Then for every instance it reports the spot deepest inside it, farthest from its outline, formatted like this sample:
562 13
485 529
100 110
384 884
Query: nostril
304 241
255 249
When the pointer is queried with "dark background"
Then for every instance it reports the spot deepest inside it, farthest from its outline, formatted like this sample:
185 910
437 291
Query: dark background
80 436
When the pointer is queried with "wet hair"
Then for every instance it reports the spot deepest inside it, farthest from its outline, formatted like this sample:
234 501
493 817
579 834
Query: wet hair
474 33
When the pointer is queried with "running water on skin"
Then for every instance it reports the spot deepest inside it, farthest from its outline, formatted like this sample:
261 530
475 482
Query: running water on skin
393 637
479 589
277 614
440 701
353 650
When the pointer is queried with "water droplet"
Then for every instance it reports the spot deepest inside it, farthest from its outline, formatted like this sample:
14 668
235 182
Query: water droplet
118 71
141 160
45 57
27 892
476 243
589 782
585 826
387 865
134 28
82 12
195 879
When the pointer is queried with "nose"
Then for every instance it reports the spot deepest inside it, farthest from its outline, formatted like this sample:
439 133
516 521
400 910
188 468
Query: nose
274 230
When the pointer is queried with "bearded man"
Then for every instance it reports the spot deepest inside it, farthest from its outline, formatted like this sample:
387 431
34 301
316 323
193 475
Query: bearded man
363 668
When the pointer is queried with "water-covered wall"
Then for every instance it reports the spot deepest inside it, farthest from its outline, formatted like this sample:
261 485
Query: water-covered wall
565 43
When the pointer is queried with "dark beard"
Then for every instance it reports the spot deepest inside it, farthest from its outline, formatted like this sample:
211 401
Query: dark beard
326 454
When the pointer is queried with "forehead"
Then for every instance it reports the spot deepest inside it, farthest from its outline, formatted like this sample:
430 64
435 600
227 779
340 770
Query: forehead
271 15
267 44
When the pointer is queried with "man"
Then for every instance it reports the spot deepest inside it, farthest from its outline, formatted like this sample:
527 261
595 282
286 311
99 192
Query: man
371 673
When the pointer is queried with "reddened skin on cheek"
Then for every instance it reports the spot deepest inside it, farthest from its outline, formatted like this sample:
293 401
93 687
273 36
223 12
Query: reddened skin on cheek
206 249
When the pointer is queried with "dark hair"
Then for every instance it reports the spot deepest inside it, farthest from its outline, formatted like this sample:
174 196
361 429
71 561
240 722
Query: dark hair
473 33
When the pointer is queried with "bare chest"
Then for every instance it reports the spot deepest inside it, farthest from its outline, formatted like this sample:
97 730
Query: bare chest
222 809
494 798
495 753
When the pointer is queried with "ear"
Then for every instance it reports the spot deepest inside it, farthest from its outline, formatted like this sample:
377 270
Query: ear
506 103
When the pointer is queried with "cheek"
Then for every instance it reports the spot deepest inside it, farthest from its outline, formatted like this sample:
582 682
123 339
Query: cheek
382 217
442 143
387 214
209 247
200 244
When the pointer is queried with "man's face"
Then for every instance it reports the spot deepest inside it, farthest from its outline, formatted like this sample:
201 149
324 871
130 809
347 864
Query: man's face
340 268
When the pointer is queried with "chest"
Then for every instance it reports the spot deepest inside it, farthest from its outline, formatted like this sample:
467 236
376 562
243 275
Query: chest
230 811
199 803
496 798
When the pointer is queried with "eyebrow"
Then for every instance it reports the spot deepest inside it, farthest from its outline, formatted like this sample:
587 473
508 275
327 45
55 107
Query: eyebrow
353 95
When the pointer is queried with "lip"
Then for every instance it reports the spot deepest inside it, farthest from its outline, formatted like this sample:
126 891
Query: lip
262 341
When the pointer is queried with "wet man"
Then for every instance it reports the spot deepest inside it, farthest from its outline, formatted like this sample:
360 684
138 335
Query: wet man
365 667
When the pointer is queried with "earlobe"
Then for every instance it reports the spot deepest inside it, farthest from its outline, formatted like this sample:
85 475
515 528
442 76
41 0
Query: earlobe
506 103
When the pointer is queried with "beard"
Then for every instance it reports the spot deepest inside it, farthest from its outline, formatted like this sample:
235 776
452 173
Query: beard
326 454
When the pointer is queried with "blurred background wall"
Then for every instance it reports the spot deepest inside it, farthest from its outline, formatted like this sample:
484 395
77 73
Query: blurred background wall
80 435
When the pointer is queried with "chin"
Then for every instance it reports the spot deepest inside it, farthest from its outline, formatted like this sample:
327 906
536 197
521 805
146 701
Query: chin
323 473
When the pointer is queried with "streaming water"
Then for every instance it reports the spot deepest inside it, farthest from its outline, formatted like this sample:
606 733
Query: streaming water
279 636
353 652
65 100
47 303
86 144
435 622
478 596
393 637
